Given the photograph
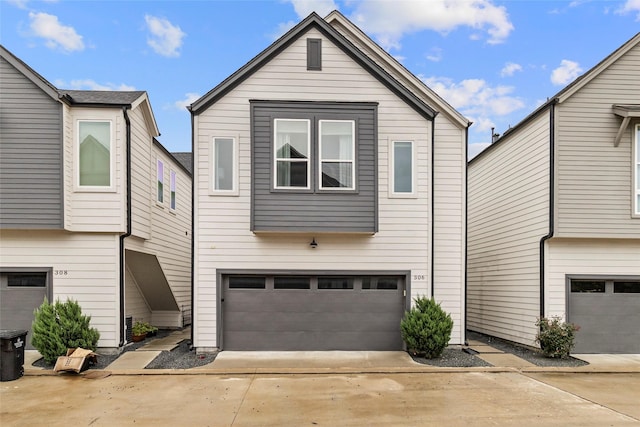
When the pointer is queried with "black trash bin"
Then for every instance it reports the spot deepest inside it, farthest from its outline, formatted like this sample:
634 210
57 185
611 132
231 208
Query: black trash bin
12 343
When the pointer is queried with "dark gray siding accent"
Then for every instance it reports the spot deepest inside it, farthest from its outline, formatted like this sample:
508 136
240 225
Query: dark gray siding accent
314 54
30 154
314 210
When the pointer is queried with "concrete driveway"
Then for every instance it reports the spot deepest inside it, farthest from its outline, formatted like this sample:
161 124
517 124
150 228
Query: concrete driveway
442 398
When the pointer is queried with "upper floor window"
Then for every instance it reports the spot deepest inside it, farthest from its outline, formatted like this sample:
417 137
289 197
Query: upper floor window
337 154
94 153
223 161
160 186
172 201
292 151
637 171
402 168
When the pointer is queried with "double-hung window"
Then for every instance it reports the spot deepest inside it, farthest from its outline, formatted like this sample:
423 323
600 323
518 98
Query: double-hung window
337 154
637 171
160 186
292 152
95 150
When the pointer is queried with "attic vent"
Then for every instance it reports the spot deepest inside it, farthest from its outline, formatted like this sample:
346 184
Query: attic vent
314 54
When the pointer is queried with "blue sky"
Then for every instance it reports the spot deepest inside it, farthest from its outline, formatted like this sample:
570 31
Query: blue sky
494 61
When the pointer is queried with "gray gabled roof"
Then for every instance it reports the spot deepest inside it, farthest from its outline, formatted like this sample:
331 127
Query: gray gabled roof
96 97
185 159
313 21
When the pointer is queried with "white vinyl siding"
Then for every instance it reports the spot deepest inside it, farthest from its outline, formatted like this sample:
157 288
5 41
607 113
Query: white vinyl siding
222 231
586 257
94 209
85 268
224 166
594 177
142 175
508 214
636 171
170 236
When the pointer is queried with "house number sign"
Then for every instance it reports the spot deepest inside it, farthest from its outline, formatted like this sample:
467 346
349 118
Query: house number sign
60 273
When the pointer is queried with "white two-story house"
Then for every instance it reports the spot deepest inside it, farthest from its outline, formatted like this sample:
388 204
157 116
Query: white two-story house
329 191
92 207
554 215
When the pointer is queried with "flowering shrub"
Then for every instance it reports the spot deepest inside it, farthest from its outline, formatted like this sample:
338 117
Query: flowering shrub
555 336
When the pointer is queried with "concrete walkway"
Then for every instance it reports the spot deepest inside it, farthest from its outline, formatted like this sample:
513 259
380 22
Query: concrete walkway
310 362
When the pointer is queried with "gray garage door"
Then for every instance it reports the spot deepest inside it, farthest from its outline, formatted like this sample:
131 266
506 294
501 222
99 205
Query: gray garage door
20 294
312 313
608 313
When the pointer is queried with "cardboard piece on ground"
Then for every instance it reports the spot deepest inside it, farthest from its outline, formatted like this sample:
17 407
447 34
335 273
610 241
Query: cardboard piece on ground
76 360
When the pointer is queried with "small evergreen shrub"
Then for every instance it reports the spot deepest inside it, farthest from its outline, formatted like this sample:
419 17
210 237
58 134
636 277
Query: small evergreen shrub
426 328
556 337
59 326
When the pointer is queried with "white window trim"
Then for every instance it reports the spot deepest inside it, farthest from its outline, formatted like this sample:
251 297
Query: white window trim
352 161
275 158
212 172
635 162
414 190
112 160
173 182
158 163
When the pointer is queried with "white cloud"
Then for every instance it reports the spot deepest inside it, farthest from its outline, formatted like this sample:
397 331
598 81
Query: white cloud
88 84
630 6
510 69
389 21
22 4
165 38
435 55
565 73
189 99
304 7
55 34
476 100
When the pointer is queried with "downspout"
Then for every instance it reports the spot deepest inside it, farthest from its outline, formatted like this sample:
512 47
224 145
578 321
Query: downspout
193 225
466 226
128 232
433 204
549 235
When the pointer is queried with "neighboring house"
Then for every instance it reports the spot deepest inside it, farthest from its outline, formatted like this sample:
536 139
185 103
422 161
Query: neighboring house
329 191
554 215
92 207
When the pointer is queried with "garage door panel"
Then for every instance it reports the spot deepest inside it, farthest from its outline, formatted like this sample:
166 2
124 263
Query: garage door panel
609 322
312 319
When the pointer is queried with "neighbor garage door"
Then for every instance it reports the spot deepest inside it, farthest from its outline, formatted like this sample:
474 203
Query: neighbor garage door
608 314
20 294
312 312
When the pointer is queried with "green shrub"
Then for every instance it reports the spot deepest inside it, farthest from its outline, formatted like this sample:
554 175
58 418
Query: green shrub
555 336
426 328
59 326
